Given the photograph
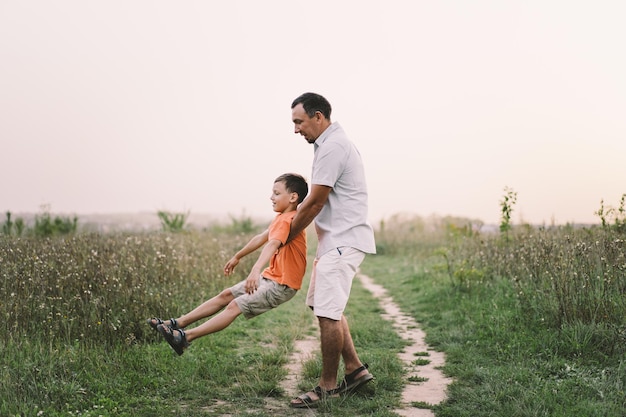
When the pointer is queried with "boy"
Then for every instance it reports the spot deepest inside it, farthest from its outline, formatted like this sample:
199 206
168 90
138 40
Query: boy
263 289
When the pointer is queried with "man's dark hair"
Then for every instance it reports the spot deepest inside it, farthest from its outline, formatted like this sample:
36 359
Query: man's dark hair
312 103
295 183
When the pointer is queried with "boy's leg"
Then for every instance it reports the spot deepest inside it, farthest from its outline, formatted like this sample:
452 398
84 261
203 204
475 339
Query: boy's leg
215 323
263 299
206 309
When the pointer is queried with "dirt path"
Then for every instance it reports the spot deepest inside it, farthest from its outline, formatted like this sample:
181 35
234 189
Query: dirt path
303 350
431 391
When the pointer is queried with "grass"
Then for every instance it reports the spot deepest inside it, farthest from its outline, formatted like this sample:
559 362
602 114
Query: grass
74 311
532 325
515 346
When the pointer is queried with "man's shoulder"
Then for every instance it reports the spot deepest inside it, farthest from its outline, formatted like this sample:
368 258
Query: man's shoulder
336 131
332 133
337 140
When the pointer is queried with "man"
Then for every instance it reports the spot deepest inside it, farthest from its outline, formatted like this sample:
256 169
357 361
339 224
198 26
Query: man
337 202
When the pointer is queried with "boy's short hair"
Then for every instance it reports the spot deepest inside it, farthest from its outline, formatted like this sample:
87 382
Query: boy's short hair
295 183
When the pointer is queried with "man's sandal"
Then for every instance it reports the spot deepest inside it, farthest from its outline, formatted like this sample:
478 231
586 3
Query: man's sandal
155 321
351 383
307 402
175 337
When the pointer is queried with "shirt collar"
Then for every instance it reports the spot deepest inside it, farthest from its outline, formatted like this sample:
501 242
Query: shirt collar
325 134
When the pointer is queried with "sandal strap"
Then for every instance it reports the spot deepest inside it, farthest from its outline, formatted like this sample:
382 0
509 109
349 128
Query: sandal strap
154 322
352 375
322 393
182 337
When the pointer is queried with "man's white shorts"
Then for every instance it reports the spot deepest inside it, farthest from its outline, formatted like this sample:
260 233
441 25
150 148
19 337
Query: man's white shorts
331 281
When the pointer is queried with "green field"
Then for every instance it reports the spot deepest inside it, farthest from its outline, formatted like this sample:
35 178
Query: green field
533 323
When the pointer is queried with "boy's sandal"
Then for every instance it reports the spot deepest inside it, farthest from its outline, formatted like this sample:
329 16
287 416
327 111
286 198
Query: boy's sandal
352 383
305 400
155 321
175 337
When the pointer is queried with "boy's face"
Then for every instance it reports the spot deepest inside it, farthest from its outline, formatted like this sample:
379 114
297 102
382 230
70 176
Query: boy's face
281 198
309 127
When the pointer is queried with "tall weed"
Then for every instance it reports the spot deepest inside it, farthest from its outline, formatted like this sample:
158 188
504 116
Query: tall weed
532 321
563 276
99 289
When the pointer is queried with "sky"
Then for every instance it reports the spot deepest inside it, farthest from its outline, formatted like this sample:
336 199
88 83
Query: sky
140 106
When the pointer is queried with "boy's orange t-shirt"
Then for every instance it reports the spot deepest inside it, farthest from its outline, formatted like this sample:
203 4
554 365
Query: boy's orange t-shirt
288 264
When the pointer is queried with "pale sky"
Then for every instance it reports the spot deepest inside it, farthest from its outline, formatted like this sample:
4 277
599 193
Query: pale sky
128 106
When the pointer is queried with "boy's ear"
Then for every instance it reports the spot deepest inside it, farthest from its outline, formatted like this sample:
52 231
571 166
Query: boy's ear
294 197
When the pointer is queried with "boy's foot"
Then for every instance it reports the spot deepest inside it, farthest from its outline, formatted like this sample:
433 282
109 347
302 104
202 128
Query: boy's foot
355 379
175 337
155 321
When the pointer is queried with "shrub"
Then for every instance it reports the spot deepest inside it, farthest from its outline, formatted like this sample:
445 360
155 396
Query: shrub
172 222
10 227
45 225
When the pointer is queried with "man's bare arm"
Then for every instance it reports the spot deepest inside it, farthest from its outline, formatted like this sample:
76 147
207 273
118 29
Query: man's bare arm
310 207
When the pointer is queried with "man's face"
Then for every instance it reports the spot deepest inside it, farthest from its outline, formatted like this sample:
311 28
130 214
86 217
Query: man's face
309 127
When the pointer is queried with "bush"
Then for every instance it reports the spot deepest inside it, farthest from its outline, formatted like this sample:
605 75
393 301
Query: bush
45 225
9 227
172 222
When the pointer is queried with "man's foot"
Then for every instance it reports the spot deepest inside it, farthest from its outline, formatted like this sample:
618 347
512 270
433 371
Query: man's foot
312 398
355 379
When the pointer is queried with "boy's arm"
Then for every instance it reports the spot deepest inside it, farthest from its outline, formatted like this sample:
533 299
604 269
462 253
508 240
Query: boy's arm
252 283
255 243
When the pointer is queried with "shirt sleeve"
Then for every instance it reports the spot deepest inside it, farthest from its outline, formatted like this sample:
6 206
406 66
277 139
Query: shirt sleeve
329 164
279 229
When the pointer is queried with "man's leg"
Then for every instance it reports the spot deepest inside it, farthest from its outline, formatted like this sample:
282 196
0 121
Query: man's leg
331 336
351 359
337 342
332 341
